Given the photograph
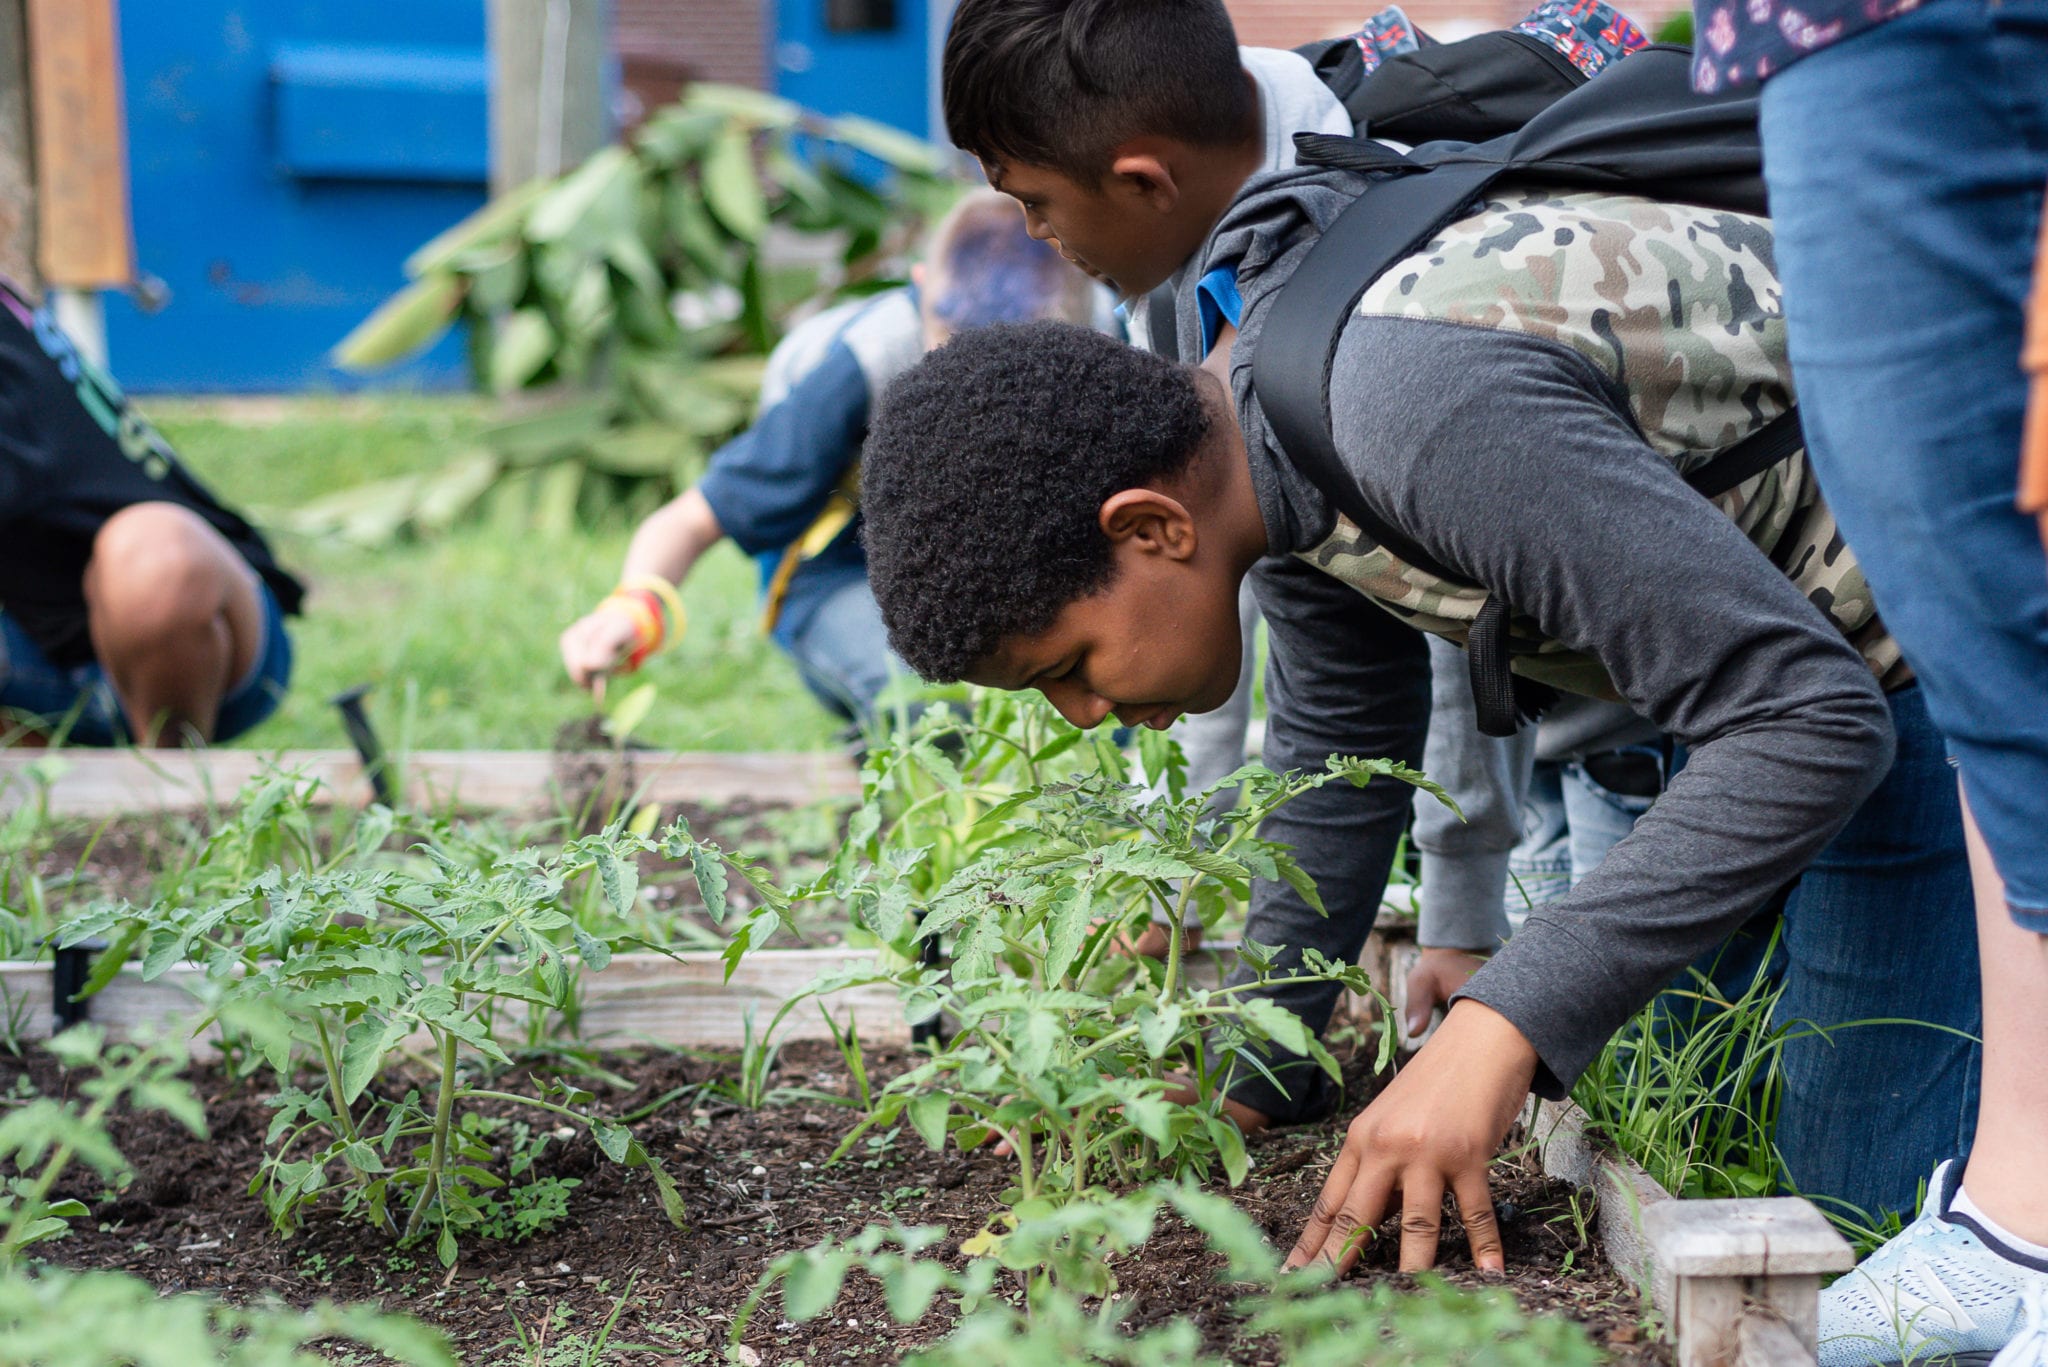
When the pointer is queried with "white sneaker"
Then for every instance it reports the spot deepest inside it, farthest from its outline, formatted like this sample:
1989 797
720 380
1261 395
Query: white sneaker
1941 1291
2030 1349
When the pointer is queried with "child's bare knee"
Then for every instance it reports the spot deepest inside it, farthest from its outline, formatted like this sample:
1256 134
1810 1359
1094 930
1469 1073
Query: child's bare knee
157 572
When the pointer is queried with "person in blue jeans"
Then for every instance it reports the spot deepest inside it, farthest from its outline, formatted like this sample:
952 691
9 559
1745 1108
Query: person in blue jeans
786 490
134 606
1906 151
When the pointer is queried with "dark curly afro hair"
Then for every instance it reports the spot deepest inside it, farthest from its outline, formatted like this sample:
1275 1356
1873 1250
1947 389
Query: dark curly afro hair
984 472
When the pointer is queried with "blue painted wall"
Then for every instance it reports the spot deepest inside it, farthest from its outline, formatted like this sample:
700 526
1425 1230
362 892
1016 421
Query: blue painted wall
285 156
885 74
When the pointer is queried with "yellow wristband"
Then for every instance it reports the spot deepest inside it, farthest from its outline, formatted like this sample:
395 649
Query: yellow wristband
664 591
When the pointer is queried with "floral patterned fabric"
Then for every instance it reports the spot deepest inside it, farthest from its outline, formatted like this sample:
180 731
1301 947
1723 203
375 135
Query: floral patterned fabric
1742 42
1588 33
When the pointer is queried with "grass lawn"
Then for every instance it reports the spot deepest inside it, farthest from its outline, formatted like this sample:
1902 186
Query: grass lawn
458 632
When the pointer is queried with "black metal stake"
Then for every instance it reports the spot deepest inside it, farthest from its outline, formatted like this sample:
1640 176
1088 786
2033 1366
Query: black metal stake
70 967
363 736
932 1029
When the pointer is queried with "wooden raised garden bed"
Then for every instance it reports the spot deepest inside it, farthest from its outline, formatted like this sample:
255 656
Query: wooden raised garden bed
1738 1282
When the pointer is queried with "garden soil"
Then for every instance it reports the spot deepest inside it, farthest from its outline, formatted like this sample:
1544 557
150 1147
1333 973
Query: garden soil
757 1183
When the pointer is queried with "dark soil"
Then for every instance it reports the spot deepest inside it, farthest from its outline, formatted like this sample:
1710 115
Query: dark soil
757 1184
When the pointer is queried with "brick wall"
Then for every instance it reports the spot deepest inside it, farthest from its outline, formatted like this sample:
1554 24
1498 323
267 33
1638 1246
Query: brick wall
1284 23
662 43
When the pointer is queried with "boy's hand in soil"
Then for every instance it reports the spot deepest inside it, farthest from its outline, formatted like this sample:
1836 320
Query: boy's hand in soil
1435 1129
1435 979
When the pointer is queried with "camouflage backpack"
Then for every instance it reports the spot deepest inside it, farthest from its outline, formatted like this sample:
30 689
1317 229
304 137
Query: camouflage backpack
1633 267
1660 195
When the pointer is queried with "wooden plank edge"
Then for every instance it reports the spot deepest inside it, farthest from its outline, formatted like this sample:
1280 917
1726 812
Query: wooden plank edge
1764 1339
129 782
1621 1187
639 999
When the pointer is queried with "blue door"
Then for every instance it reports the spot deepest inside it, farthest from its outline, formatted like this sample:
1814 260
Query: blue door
285 157
872 57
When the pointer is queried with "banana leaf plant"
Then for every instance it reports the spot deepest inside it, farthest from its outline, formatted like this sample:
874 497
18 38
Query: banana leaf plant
626 306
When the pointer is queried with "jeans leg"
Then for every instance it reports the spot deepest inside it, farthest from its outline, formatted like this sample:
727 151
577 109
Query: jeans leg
843 653
1882 926
1906 167
1540 865
1600 818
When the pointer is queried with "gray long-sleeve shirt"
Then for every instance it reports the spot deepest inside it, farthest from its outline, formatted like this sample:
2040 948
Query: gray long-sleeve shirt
1513 461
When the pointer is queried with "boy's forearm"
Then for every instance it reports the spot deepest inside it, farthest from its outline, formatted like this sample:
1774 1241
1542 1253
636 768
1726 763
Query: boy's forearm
1746 814
671 541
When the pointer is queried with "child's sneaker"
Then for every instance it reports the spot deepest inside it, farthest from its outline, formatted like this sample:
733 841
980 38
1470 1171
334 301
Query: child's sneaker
2030 1349
1939 1292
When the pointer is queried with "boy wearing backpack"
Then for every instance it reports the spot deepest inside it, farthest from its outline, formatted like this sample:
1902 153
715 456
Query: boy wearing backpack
1135 216
1518 398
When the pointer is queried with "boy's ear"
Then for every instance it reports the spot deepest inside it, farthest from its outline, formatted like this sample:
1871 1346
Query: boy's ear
1143 167
1148 522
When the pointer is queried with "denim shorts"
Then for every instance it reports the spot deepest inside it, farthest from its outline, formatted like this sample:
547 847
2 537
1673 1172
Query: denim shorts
79 705
1906 166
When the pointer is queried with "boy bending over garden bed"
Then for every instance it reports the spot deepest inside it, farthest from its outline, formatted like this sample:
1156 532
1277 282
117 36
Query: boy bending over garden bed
1049 509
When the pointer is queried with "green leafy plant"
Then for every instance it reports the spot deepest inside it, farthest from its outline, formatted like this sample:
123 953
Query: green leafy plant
638 284
359 972
57 1318
1064 1047
1064 1258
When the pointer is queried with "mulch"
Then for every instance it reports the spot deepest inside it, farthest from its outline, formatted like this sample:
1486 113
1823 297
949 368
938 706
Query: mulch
758 1183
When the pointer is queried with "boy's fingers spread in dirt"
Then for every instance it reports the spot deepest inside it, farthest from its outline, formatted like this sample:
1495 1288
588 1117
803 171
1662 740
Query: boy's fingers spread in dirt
1328 1202
1372 1192
1482 1226
1422 1218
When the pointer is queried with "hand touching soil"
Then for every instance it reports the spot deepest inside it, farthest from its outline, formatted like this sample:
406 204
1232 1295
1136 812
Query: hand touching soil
1434 1130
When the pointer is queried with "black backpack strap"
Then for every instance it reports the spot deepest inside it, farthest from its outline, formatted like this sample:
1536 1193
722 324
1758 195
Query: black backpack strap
1162 323
1777 440
1298 345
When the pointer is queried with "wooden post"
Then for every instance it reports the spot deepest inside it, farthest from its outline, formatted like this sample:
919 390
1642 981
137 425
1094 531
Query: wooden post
17 157
547 87
85 242
1745 1278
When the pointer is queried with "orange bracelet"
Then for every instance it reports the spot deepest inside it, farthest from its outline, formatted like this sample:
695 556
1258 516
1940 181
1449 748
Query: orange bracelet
649 630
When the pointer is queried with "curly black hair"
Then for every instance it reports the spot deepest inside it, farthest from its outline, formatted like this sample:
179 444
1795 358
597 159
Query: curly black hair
985 469
1060 83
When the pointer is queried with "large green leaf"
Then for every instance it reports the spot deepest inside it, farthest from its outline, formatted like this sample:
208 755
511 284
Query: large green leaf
550 433
407 322
646 448
898 148
521 346
591 204
497 278
735 101
731 187
496 222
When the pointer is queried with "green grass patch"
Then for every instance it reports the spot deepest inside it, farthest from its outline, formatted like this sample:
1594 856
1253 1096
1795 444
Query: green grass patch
458 632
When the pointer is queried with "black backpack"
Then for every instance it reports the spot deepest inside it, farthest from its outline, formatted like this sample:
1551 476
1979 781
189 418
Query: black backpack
1637 127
